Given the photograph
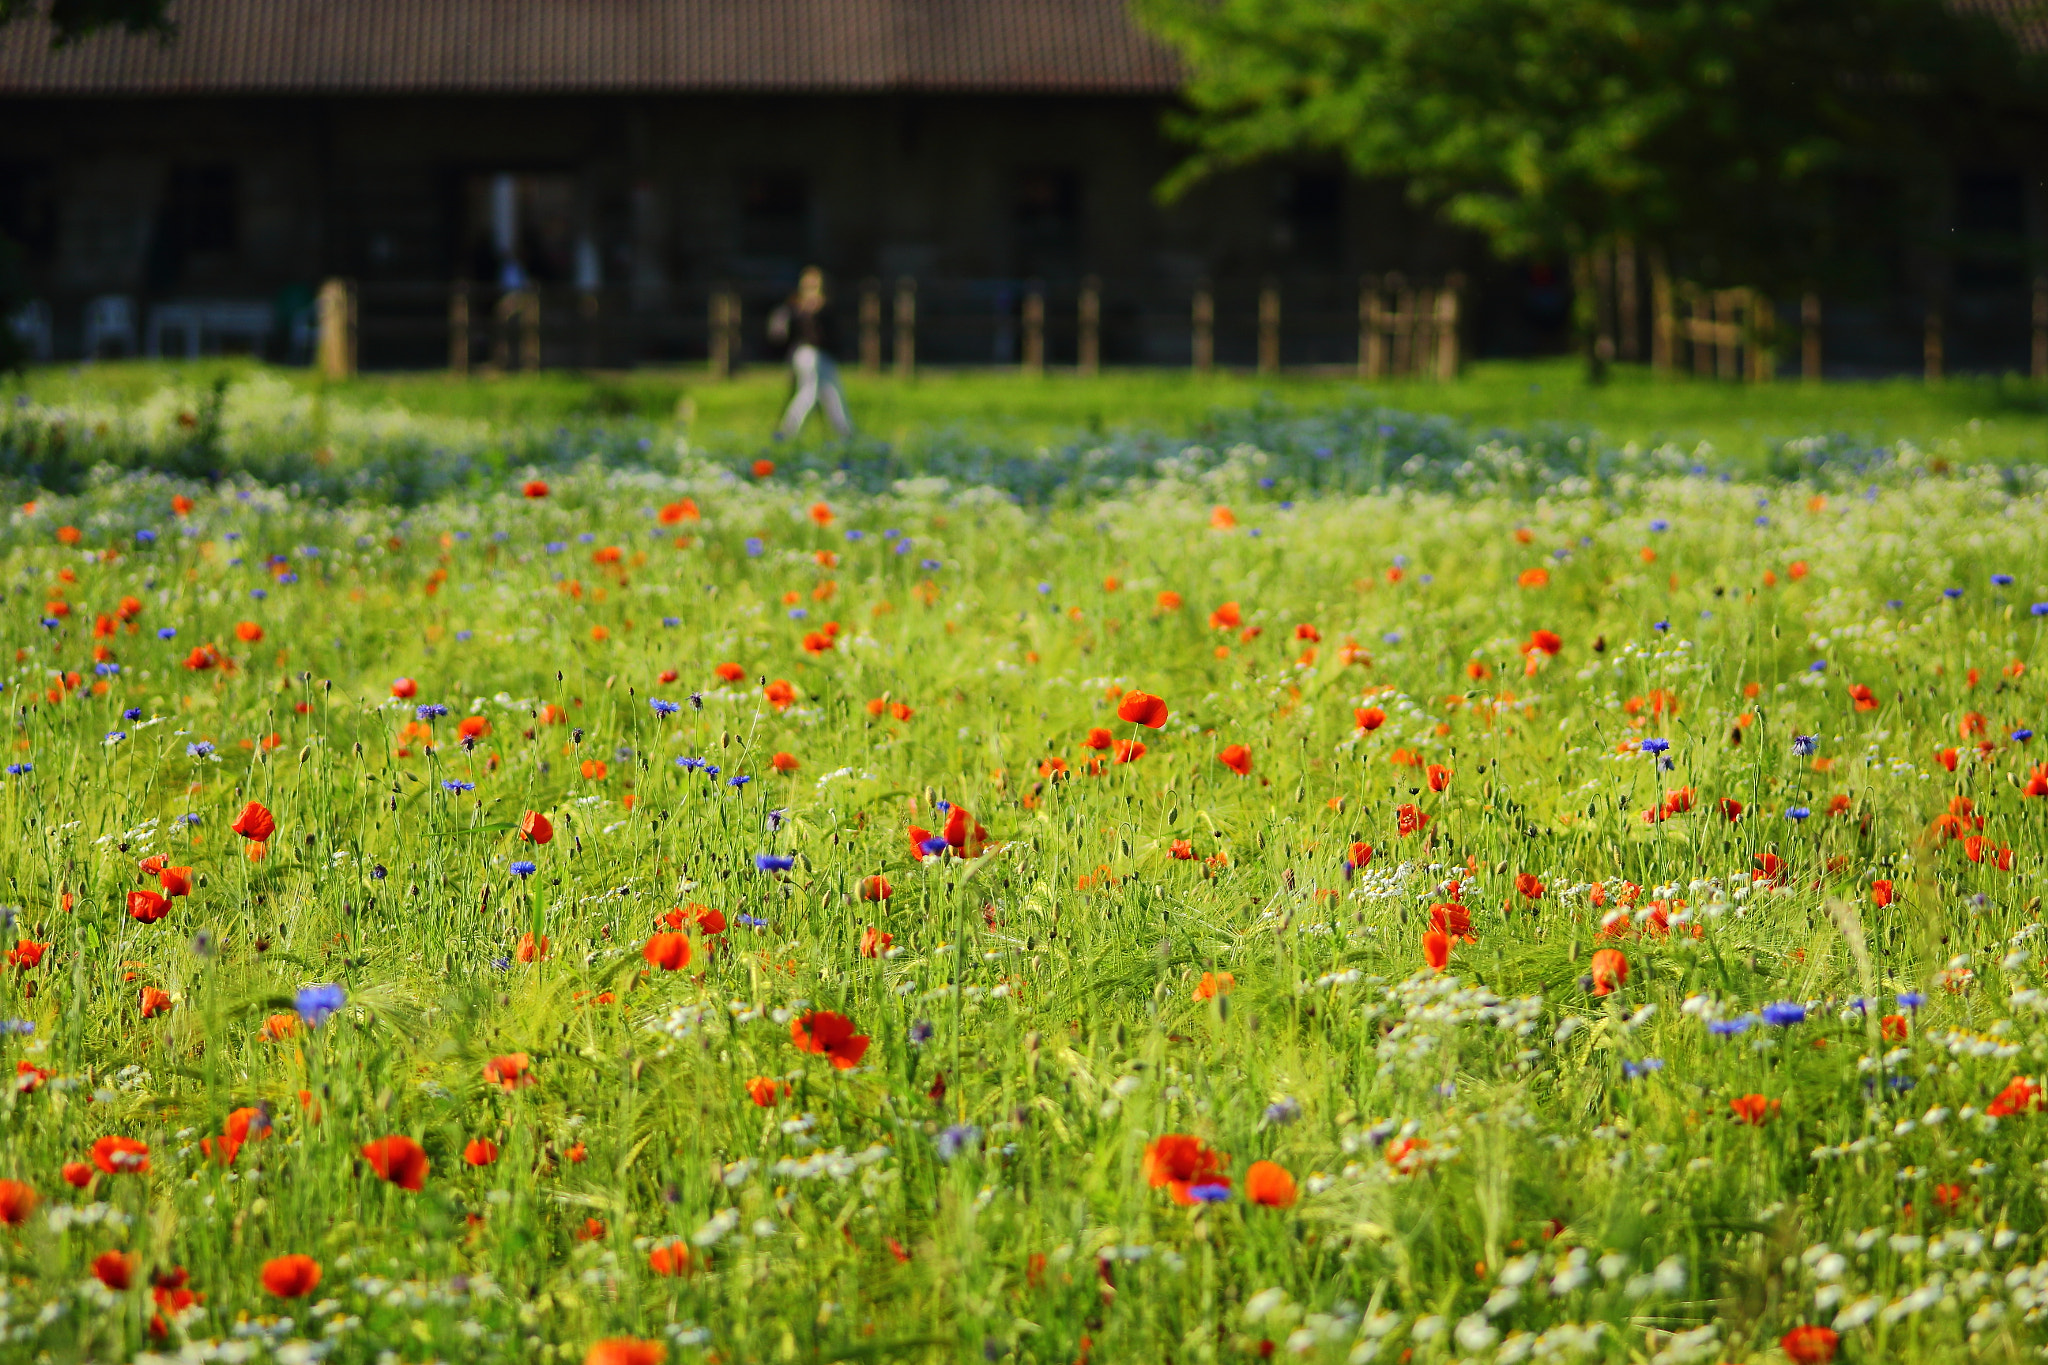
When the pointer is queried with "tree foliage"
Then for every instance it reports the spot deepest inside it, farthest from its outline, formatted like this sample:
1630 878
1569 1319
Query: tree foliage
73 20
1719 129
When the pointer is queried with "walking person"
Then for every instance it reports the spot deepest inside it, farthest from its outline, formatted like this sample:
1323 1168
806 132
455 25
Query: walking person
803 325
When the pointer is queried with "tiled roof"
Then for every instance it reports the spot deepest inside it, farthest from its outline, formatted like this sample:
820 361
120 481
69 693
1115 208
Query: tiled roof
651 46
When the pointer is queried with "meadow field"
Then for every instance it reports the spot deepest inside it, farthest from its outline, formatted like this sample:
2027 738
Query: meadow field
1329 880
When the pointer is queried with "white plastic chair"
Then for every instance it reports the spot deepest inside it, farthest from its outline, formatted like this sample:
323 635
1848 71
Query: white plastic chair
110 317
31 326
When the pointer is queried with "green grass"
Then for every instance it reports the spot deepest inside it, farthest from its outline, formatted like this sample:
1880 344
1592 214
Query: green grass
1973 419
1497 1161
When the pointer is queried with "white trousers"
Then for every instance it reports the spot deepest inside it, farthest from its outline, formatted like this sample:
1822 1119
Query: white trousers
817 382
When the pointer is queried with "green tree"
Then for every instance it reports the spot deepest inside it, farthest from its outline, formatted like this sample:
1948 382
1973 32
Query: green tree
1718 132
72 20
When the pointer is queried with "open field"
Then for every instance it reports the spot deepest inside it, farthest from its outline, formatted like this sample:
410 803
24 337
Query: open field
1974 419
1484 905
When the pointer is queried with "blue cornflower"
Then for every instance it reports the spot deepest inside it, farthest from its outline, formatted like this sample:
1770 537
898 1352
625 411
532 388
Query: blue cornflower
690 761
1282 1111
775 819
1660 525
132 713
116 736
456 784
1728 1028
1797 813
287 578
902 547
19 769
928 564
1660 626
106 670
378 874
1784 1013
856 535
1805 745
1817 666
799 613
920 1033
19 1026
199 750
555 547
773 862
1655 746
2038 609
711 770
1208 1194
662 708
738 780
752 921
259 594
754 547
145 536
2001 580
317 1004
671 622
190 817
1911 1000
51 623
1044 589
429 710
1637 1070
1763 521
524 869
1951 592
464 636
167 633
934 845
961 1135
586 537
503 964
2022 735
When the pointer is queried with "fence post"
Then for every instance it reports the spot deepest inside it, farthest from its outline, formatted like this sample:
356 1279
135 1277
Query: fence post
906 327
1372 330
1089 352
2040 367
1603 305
1447 328
529 330
1930 347
1664 322
587 309
1628 301
1269 328
458 330
1205 329
1809 338
718 339
1763 338
337 312
1034 330
1401 359
871 327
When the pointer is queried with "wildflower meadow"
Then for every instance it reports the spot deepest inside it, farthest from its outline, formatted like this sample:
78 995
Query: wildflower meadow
1487 905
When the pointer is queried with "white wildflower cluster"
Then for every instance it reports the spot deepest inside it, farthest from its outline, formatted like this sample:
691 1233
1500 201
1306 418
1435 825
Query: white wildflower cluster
835 1163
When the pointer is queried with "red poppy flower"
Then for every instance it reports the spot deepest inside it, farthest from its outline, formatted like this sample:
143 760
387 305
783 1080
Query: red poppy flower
1753 1110
1436 949
254 823
291 1277
202 658
399 1160
686 510
1948 758
632 1350
534 488
829 1035
1225 617
1182 849
669 1258
765 1091
1865 699
1369 717
779 694
1098 738
1408 818
873 942
1358 855
1237 758
1452 919
77 1174
1179 1162
1894 1028
1809 1345
121 1156
1169 601
1127 751
1214 984
535 828
1142 708
876 888
116 1269
176 881
148 906
1528 884
784 763
1881 893
1270 1185
964 834
1610 971
154 1002
480 1152
510 1072
17 1201
26 954
2020 1096
1731 809
1439 777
